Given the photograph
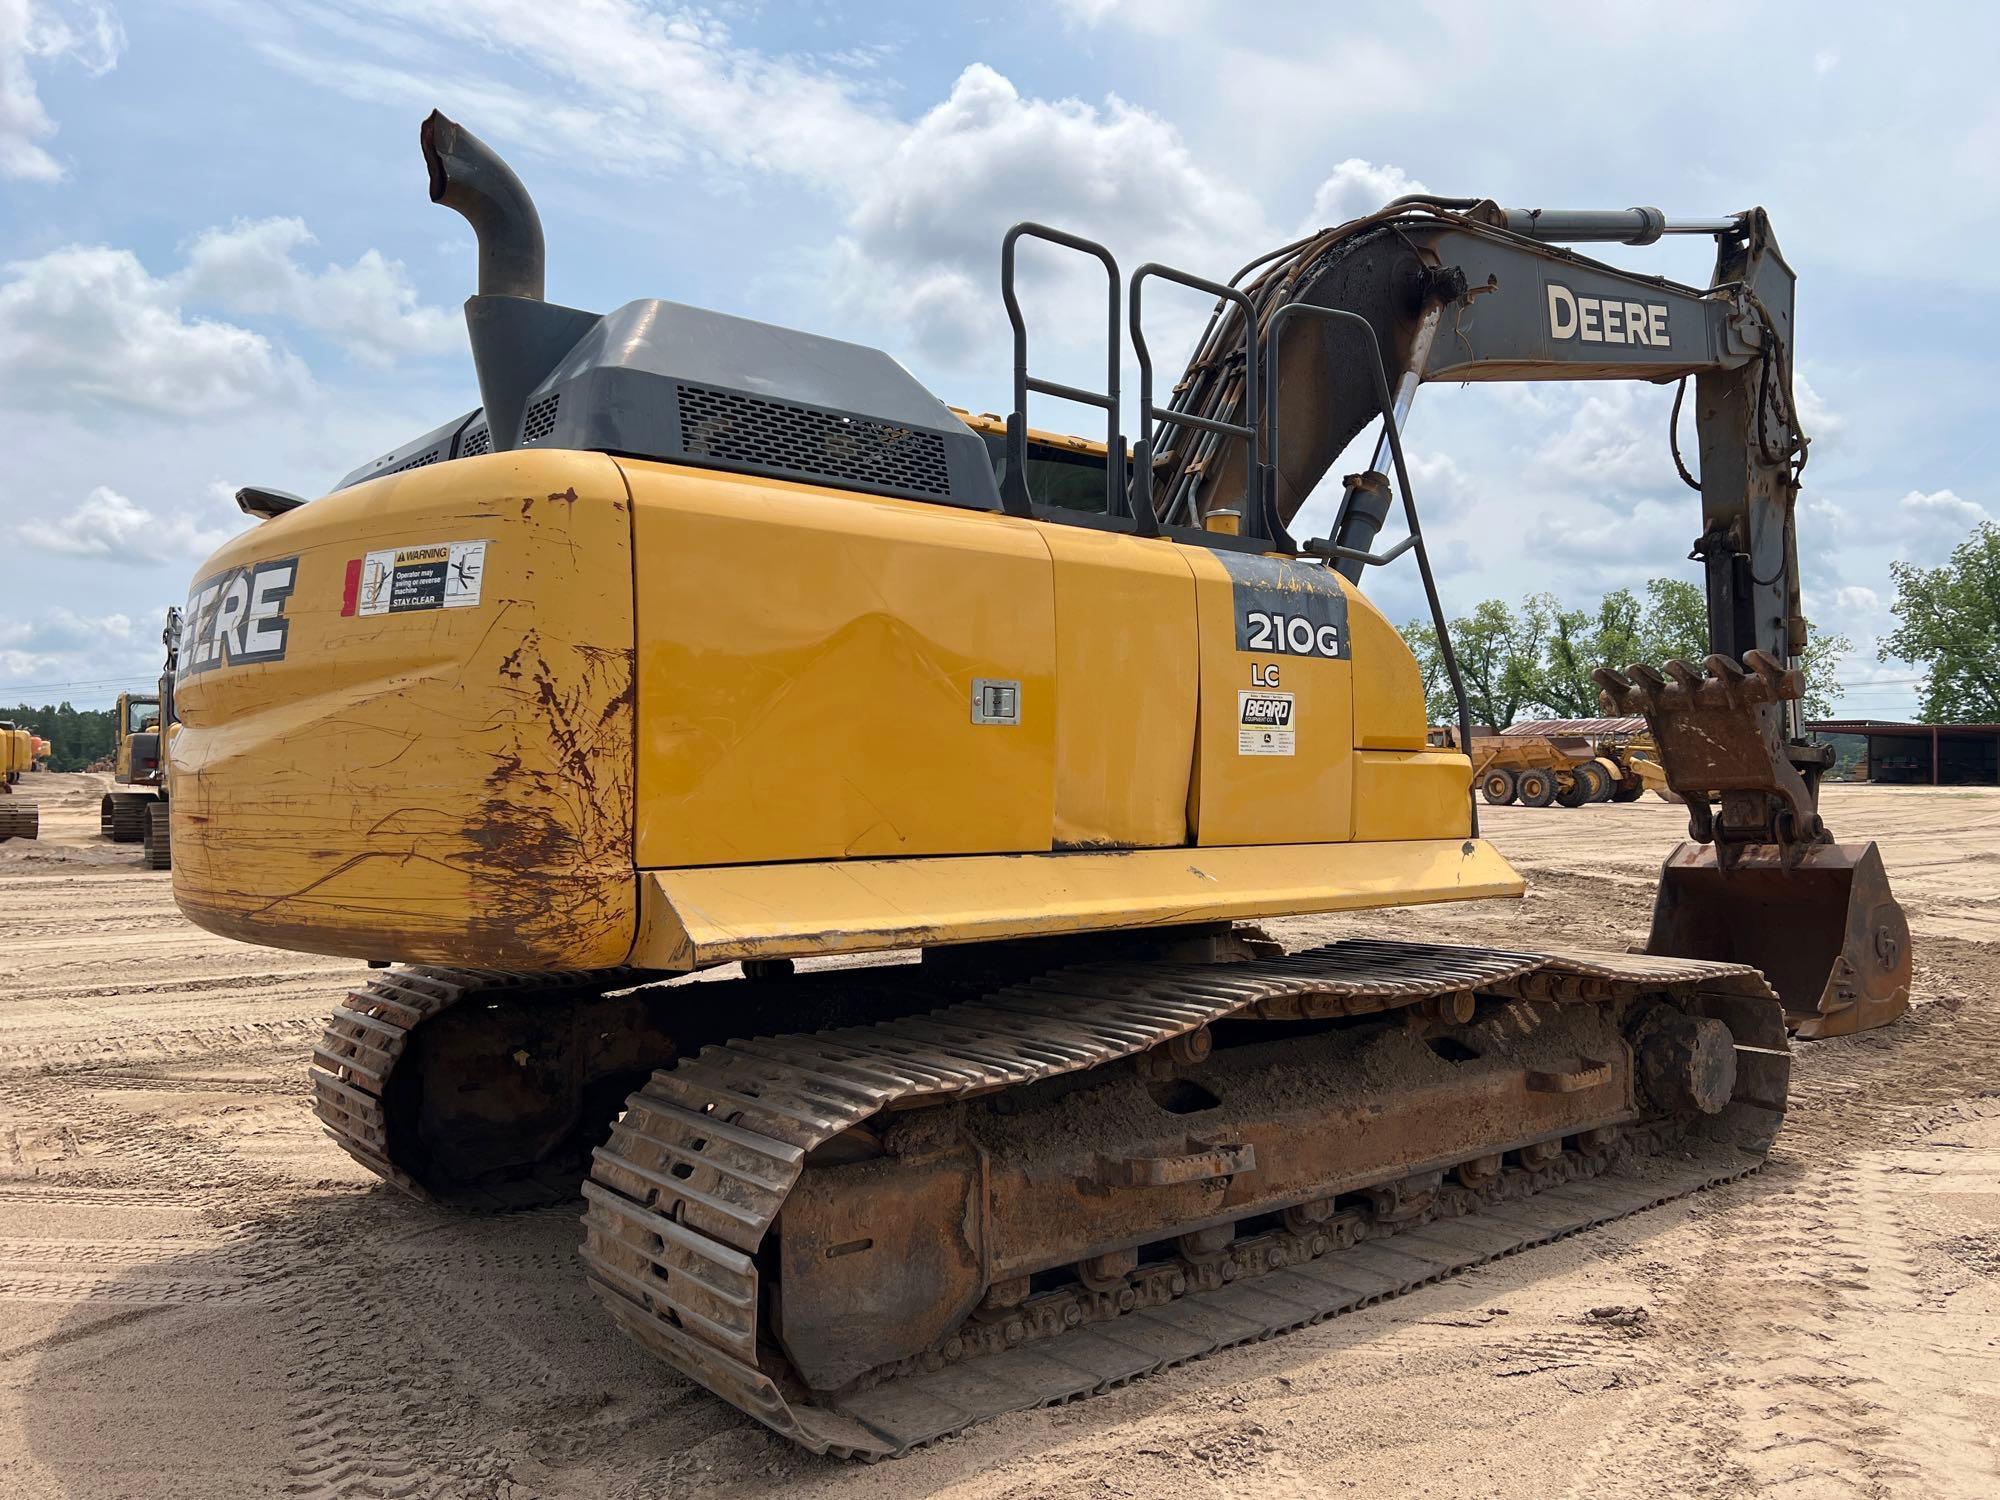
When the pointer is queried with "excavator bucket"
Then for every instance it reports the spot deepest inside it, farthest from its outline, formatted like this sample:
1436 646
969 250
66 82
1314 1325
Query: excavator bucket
1825 930
1760 880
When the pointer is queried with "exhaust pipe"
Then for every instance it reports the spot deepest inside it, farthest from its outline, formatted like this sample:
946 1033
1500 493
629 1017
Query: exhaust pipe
466 175
517 337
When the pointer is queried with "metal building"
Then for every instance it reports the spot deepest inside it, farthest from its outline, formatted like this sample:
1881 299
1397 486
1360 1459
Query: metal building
1928 754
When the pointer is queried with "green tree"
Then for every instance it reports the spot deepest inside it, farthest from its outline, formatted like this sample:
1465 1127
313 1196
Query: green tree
1575 643
1821 664
76 736
1497 655
1541 658
1950 626
1675 623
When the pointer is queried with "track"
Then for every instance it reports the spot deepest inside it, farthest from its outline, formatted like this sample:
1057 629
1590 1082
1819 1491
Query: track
698 1170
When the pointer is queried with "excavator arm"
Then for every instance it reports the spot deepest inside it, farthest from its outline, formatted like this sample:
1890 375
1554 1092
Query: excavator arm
1464 290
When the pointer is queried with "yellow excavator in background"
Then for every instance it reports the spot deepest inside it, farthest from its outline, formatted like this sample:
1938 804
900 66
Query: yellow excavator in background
19 819
704 642
142 816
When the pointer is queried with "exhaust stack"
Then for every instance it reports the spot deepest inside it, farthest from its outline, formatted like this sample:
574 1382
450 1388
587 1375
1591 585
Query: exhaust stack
468 176
517 337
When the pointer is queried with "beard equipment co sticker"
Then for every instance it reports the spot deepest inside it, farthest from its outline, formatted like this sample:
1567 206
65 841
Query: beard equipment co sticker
1266 724
445 575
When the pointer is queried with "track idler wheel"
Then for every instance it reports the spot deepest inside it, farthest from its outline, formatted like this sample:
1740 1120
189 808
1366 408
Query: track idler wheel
1686 1065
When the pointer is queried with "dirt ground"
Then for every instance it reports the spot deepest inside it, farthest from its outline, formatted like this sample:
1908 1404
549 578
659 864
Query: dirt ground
201 1296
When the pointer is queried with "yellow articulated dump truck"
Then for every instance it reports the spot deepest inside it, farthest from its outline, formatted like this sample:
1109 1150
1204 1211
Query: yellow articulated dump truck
1536 770
1568 762
708 643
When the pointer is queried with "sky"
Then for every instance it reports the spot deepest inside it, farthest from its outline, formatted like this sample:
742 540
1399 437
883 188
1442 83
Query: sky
219 265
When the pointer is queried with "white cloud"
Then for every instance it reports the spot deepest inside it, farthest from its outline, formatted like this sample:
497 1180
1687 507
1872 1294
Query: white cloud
1087 12
91 324
923 237
1825 61
369 308
923 202
668 81
1354 188
1615 440
61 648
1820 421
1824 516
108 525
1856 599
1164 18
38 31
1609 544
1943 505
1934 523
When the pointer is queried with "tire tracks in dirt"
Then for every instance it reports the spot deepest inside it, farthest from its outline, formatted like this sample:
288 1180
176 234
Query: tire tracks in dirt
1814 1357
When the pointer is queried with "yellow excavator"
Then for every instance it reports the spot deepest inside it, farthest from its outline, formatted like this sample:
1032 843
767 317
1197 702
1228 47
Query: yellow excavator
704 642
142 724
18 819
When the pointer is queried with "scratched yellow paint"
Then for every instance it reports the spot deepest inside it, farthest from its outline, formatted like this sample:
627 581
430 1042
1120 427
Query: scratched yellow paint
696 716
450 785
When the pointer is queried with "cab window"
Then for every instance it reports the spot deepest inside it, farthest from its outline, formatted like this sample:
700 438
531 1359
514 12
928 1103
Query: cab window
1056 476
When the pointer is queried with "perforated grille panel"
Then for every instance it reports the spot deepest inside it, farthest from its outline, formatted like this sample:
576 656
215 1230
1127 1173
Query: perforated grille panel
418 462
477 441
540 420
763 434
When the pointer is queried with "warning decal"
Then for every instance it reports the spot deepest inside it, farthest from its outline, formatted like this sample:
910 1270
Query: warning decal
1265 724
447 575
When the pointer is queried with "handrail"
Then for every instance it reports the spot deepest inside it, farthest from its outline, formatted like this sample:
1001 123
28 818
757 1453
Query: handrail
1415 539
1142 467
1014 497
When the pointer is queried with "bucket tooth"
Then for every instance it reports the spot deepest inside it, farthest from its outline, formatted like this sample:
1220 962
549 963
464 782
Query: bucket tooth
1723 670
